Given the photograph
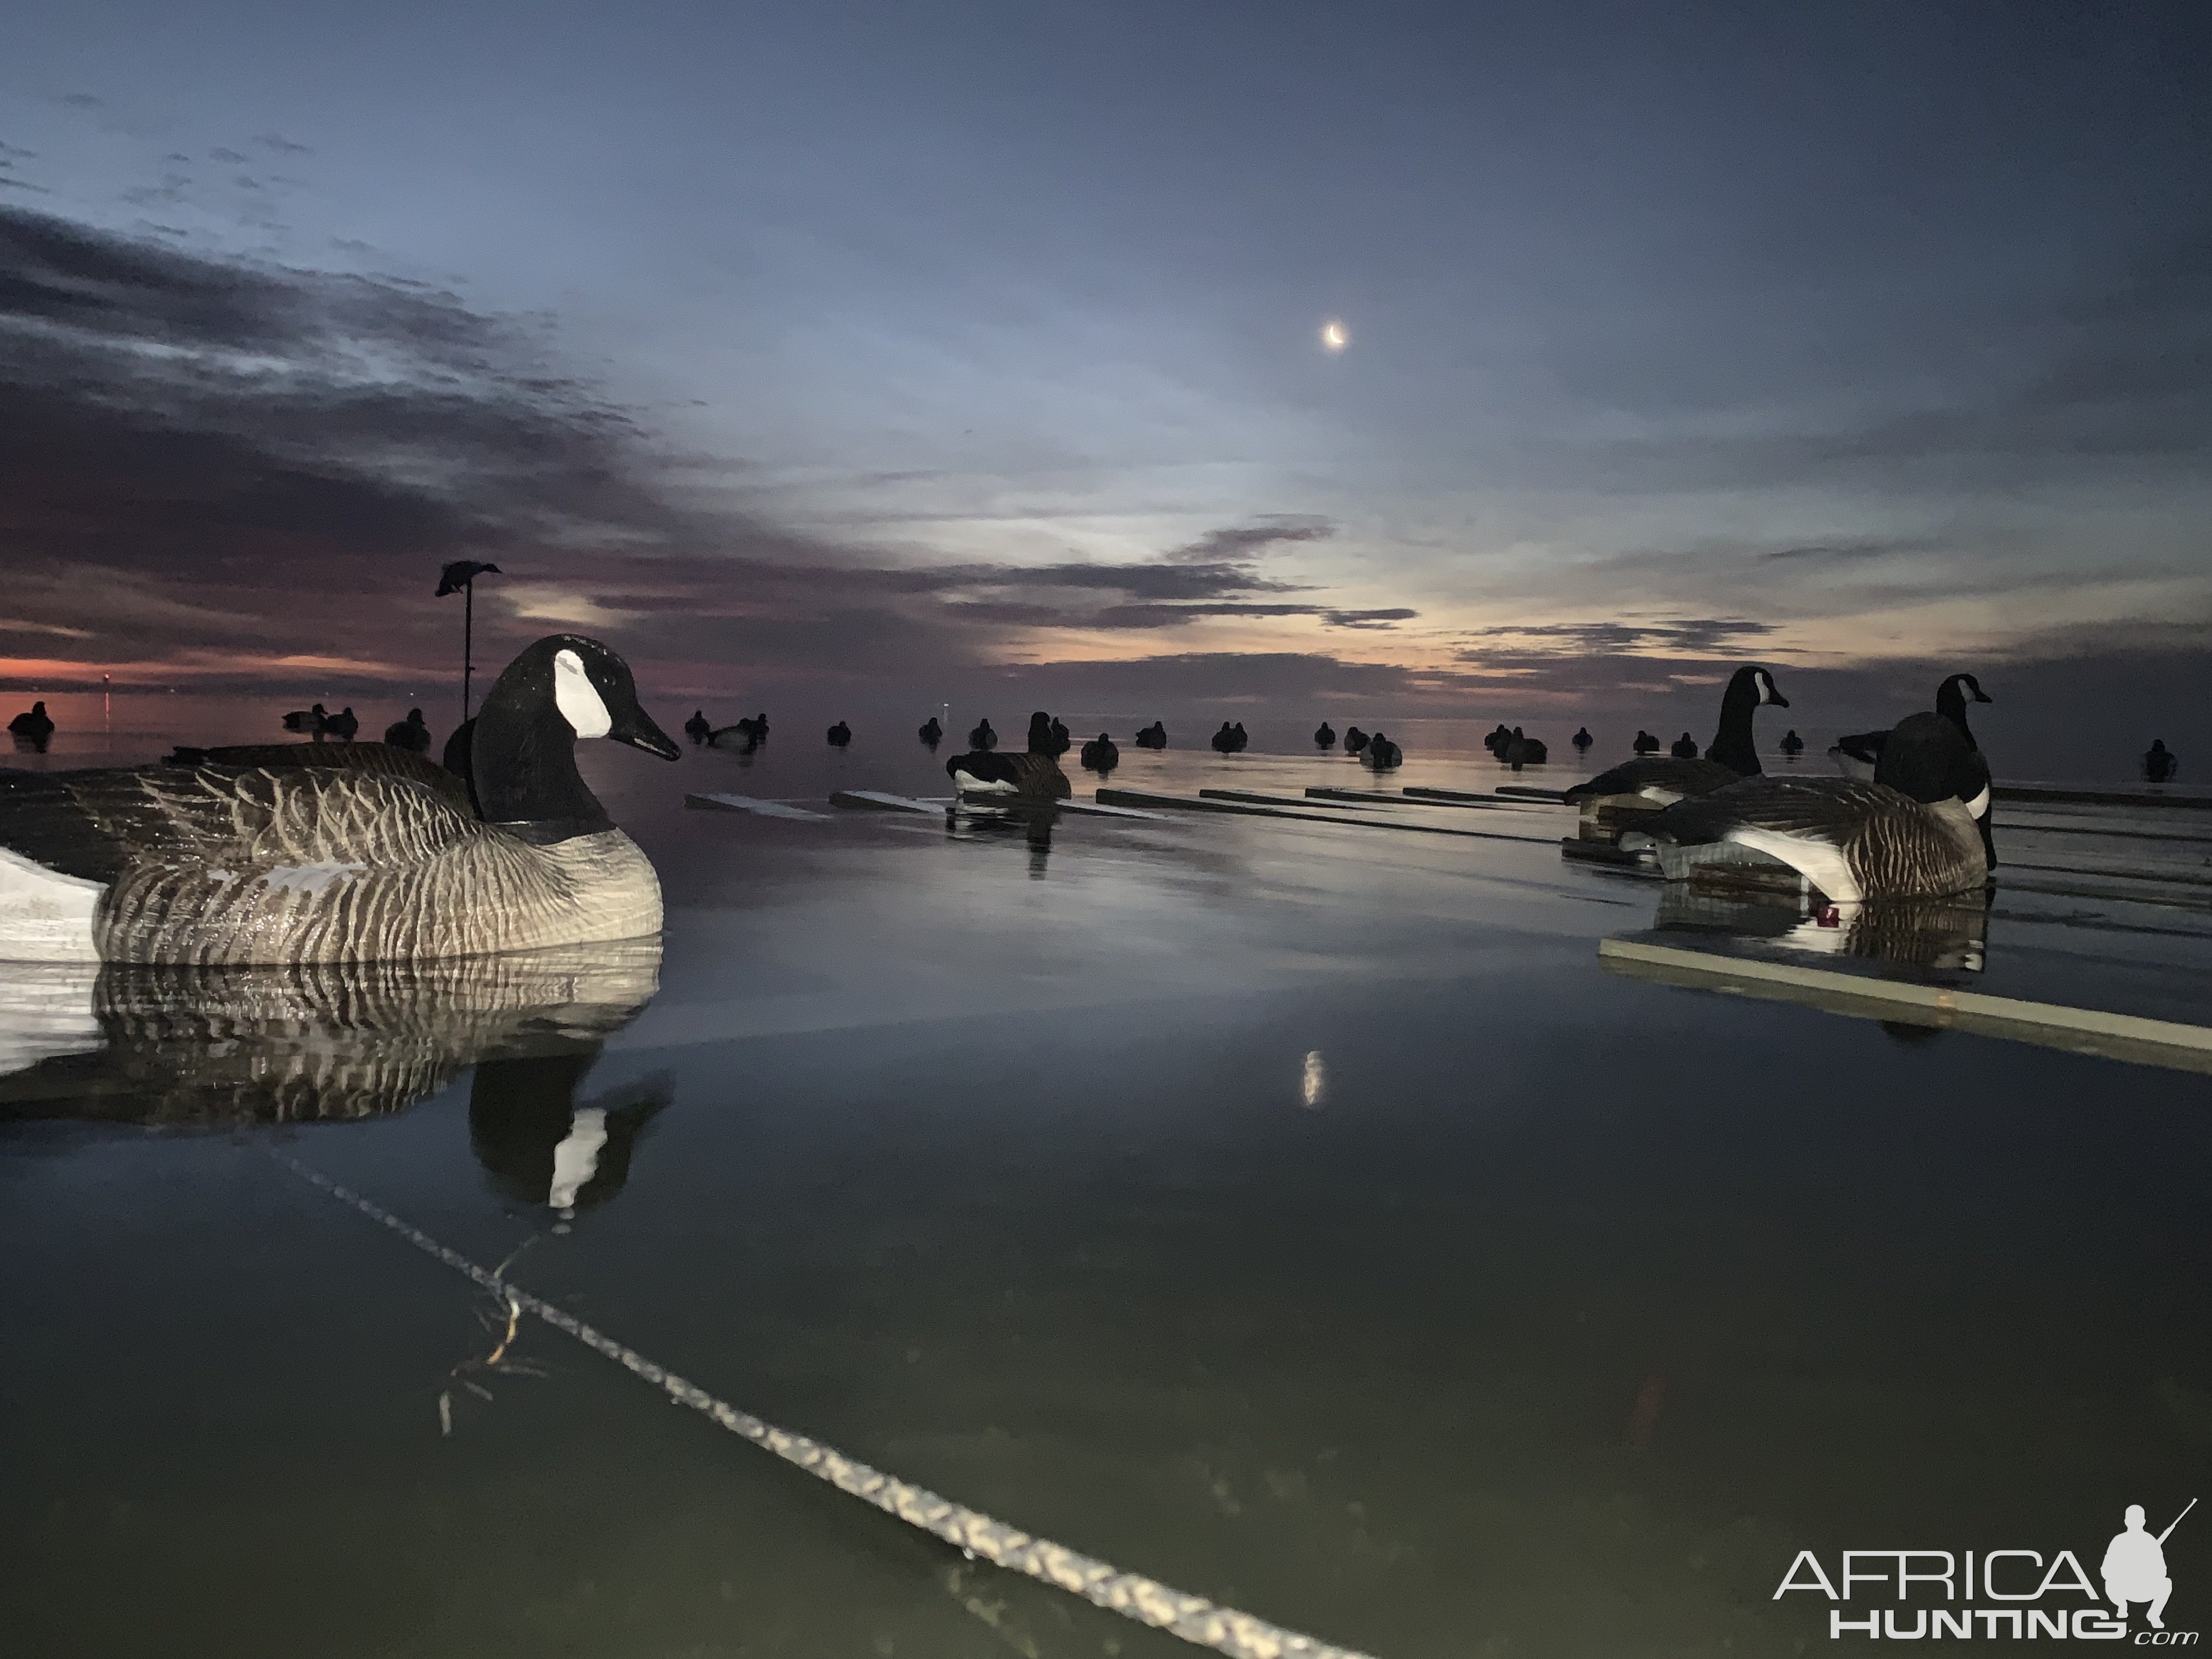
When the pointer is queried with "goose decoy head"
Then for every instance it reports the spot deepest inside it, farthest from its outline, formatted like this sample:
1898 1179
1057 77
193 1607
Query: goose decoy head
1967 689
593 690
1756 684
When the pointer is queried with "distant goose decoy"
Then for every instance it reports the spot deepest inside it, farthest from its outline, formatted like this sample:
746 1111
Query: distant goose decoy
1519 750
1041 740
1733 755
1031 777
1324 736
1791 744
313 720
1230 739
1646 744
1100 755
1154 736
1582 739
1856 755
2159 762
1910 833
840 735
33 728
1061 740
1382 754
745 736
930 732
1354 740
983 739
697 727
361 853
344 725
410 734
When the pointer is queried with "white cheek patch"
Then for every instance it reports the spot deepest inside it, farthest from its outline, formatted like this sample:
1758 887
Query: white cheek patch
1980 804
577 698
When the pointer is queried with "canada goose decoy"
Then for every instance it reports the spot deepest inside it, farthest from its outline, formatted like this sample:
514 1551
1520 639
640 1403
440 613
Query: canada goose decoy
1354 740
743 737
1791 744
983 739
343 859
1324 736
1230 740
1910 833
840 735
1519 750
1061 740
345 725
1031 777
1100 755
1645 742
1154 736
1382 754
1732 755
698 728
33 724
1856 756
930 734
1582 739
1499 736
410 734
1040 739
313 720
2159 762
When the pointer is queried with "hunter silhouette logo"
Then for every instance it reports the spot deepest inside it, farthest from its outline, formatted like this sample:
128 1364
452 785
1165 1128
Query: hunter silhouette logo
2023 1594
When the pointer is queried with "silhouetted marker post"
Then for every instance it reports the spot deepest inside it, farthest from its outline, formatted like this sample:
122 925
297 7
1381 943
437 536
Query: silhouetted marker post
461 577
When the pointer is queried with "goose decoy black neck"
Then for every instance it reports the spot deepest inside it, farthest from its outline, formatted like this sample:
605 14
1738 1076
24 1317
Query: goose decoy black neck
1750 687
1951 698
2159 762
1040 737
522 751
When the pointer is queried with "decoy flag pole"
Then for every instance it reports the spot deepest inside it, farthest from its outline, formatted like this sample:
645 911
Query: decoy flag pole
460 576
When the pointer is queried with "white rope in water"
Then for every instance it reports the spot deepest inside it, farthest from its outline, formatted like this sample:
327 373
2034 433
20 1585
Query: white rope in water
1193 1617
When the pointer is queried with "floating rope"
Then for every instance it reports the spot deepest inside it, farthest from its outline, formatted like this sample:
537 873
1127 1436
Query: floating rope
1147 1600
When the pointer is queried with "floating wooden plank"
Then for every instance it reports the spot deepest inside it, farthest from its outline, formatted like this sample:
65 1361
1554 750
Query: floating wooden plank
1258 797
1529 792
2098 797
1250 809
883 801
1868 996
1605 853
1357 797
766 809
877 800
1465 798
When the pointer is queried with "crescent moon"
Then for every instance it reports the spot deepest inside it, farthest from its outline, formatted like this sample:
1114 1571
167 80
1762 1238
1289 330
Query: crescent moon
1332 335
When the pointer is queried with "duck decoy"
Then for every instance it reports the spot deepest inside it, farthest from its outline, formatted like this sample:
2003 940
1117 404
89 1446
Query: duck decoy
358 853
1381 754
1100 755
33 724
1856 756
932 733
410 734
1499 737
1791 744
840 735
1154 736
1582 739
1732 755
983 739
697 728
344 725
1230 739
745 736
1645 742
313 720
1029 777
2159 762
1354 740
1324 736
1913 832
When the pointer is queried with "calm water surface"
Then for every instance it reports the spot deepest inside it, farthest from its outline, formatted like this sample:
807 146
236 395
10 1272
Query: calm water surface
1293 1213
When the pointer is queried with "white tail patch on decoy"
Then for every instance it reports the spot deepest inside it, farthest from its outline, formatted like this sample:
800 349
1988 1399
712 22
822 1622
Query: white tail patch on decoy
577 698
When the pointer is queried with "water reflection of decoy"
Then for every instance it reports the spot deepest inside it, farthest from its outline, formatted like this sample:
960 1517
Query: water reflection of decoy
1582 739
1856 755
2159 762
1382 754
1791 744
698 728
1948 934
411 734
983 739
840 735
1324 736
1154 736
305 1043
1034 777
311 720
1100 755
1645 742
1732 757
1910 834
344 725
33 724
357 852
1354 740
932 733
541 1147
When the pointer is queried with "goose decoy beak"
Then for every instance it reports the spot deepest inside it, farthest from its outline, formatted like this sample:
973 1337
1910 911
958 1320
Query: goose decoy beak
635 727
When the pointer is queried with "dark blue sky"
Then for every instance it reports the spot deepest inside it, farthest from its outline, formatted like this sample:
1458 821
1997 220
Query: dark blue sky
891 343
